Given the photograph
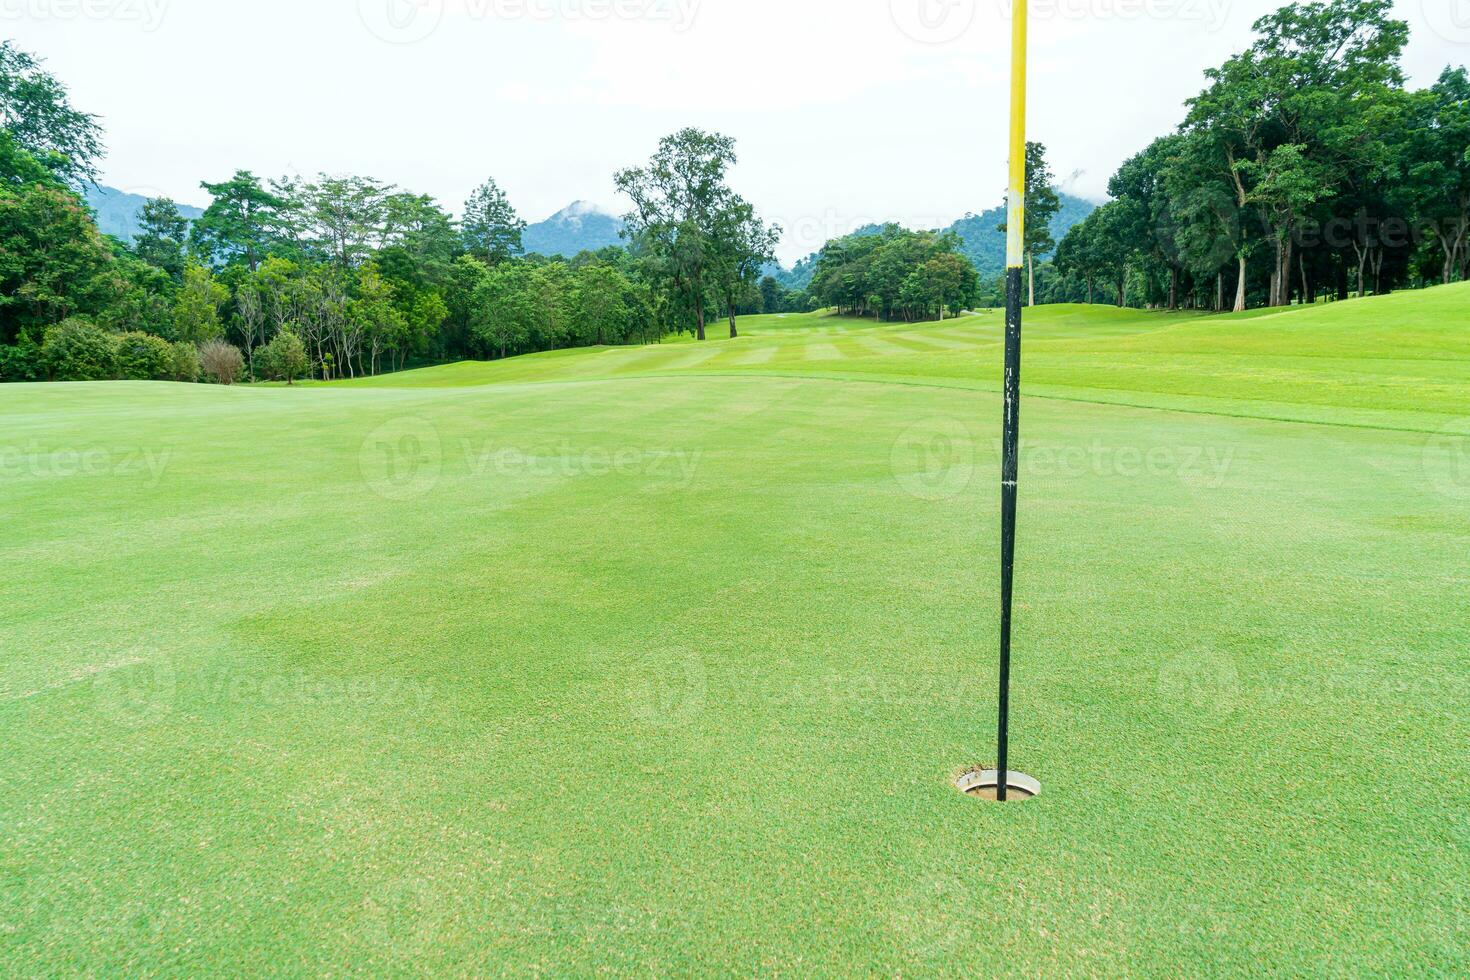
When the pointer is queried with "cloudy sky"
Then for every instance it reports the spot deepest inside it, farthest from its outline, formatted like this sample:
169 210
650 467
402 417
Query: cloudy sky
846 111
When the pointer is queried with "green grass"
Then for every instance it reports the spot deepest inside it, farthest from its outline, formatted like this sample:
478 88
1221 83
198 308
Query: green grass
661 660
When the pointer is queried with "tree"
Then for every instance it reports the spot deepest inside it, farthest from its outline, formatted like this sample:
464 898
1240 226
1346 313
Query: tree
743 245
419 241
163 236
37 113
375 318
284 358
183 361
78 350
250 318
599 303
1042 205
343 218
491 228
504 308
1435 188
243 222
143 357
551 285
196 313
1273 114
221 361
53 262
680 204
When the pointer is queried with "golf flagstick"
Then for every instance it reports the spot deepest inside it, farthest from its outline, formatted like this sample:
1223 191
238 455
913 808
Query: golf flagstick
1011 439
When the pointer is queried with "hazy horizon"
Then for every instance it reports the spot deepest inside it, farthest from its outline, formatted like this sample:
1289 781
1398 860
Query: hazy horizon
844 114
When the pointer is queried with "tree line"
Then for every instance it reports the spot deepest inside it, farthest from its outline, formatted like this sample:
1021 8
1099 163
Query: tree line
341 276
1305 170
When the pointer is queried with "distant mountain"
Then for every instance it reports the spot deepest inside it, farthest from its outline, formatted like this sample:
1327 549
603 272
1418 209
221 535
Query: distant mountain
985 243
117 211
580 227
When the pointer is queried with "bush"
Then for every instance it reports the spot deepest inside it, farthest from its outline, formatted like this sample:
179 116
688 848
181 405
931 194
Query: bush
221 361
76 350
144 357
284 358
184 362
23 362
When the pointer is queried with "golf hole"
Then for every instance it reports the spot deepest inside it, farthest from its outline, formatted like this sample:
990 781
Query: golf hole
982 784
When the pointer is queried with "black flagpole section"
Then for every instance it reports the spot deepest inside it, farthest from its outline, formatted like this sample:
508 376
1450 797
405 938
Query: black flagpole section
1010 470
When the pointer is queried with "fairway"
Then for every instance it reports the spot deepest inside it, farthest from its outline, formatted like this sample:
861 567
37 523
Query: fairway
663 659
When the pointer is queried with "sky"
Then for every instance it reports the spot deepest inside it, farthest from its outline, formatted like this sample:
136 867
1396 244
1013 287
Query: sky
844 111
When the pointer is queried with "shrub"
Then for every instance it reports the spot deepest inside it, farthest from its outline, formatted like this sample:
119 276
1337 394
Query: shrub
22 362
143 357
76 350
221 361
184 363
284 358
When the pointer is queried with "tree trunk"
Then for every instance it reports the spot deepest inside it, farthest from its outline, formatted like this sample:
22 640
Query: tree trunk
1240 287
1307 296
1173 288
1219 292
699 319
1030 280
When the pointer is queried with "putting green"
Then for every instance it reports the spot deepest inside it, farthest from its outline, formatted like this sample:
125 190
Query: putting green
663 659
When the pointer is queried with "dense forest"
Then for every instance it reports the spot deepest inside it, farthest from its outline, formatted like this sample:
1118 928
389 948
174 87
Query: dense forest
1305 170
341 275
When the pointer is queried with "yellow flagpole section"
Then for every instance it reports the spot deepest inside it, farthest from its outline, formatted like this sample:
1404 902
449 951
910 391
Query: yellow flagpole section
1016 198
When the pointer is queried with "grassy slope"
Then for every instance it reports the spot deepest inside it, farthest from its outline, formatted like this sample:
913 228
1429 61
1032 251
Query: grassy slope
1397 361
504 707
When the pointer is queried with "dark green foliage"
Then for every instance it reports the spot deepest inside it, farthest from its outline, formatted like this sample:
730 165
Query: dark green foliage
284 358
22 361
163 234
1304 170
78 350
895 274
53 263
143 357
183 361
37 114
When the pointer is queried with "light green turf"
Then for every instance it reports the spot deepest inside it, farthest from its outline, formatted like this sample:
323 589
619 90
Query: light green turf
661 660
